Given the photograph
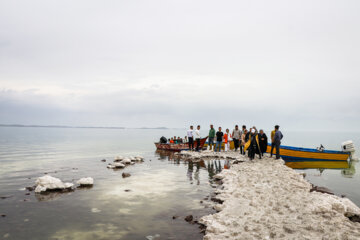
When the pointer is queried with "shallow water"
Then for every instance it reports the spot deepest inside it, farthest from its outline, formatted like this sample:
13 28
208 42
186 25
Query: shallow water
160 187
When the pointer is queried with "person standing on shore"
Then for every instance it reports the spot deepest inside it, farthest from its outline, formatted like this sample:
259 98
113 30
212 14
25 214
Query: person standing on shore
211 136
263 142
227 139
272 141
242 142
190 138
277 140
197 137
253 144
219 138
236 135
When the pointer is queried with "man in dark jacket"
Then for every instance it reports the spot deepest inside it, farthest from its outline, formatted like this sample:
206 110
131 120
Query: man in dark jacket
263 142
277 140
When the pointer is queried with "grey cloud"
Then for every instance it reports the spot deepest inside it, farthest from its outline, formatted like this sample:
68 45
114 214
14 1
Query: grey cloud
173 62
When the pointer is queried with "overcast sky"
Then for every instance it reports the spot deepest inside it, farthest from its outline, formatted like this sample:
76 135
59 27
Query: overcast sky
175 63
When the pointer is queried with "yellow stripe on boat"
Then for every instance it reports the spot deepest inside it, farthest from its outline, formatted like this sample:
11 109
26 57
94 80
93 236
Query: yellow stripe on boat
318 164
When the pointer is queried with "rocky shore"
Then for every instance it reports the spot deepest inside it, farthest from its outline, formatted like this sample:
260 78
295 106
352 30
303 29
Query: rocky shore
265 199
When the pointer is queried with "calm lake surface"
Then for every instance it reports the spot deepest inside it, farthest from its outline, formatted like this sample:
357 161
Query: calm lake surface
161 187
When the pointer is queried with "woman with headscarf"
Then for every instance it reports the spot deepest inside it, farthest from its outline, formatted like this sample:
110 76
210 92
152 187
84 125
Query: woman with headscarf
253 144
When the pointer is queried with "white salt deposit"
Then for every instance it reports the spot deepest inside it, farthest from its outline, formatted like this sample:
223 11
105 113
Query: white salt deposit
110 166
139 158
119 165
88 181
95 210
48 182
126 161
196 156
264 199
118 158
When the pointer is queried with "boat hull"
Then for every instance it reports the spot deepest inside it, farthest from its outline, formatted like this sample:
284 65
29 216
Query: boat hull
178 147
294 154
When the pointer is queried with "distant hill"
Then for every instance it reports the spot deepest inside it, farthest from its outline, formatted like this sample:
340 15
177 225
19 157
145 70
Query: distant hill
55 126
62 126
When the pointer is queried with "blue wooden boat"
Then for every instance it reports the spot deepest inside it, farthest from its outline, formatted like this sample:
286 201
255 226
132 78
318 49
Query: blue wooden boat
297 154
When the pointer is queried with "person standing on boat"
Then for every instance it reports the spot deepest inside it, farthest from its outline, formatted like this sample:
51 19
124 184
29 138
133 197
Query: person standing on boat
211 136
236 135
190 138
219 138
263 142
272 141
277 140
197 137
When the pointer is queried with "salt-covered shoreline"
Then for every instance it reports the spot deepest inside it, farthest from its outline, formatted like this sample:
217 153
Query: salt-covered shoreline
265 199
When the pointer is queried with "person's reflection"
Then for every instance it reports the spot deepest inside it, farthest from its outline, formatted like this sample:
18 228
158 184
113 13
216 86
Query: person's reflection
321 170
349 172
190 170
196 175
210 168
227 164
218 166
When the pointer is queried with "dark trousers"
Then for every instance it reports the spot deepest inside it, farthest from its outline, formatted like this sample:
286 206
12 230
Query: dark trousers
272 148
277 145
241 148
191 143
197 144
236 143
252 151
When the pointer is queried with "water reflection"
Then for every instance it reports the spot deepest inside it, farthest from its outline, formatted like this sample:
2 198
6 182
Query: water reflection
350 171
193 168
347 168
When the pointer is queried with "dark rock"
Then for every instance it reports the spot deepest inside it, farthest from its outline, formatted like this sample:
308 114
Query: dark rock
3 215
355 218
45 173
175 217
125 175
104 160
30 188
201 201
27 193
5 197
127 190
343 195
214 199
321 189
189 218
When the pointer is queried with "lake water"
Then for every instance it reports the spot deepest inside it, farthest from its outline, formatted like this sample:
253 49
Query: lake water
161 187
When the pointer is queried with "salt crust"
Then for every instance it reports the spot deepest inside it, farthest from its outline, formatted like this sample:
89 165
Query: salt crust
265 199
88 181
48 182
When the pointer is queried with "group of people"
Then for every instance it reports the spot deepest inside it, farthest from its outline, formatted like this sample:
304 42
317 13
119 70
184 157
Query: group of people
177 140
252 140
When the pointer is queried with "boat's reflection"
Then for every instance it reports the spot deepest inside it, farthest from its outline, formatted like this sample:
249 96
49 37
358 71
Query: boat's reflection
193 168
347 168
